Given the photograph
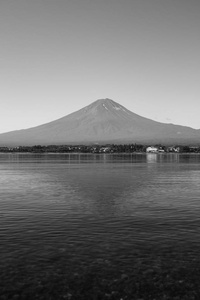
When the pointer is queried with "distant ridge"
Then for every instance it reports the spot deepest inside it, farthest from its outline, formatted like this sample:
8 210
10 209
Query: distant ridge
103 121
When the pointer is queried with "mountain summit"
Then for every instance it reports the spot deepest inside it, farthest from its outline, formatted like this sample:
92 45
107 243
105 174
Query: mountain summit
103 121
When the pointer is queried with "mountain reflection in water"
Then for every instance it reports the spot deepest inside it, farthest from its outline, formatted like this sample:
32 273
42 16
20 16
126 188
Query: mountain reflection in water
98 215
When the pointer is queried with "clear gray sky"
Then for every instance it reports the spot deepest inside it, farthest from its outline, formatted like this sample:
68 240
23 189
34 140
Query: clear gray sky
57 56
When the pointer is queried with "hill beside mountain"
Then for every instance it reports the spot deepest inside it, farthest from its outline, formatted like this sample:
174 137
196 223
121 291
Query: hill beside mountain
103 121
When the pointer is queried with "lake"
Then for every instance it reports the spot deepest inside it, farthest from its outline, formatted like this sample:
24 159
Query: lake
99 226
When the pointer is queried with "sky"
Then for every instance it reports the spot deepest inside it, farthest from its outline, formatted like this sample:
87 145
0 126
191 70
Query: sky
57 56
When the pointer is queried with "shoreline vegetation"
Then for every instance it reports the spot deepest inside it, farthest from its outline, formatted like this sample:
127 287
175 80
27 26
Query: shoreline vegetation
108 148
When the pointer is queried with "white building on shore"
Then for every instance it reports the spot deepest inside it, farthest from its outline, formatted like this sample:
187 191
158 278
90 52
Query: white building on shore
151 149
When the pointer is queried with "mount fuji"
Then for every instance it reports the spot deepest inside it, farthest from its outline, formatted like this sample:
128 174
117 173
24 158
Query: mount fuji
103 121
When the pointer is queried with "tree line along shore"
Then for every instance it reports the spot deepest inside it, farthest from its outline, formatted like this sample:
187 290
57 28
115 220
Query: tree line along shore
108 148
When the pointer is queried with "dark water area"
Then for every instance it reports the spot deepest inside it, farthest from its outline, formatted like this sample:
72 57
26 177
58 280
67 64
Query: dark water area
87 226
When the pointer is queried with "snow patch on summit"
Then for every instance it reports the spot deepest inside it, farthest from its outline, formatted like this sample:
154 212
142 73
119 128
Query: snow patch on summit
105 106
120 108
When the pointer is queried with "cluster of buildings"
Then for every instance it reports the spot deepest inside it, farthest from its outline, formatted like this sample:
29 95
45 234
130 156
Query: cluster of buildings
160 149
174 149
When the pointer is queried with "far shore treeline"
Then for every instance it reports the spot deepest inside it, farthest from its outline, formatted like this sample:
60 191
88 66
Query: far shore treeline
108 148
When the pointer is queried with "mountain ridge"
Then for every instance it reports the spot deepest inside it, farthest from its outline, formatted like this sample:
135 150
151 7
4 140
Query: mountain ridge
102 121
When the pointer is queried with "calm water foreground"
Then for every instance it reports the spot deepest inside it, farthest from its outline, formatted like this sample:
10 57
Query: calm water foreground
99 226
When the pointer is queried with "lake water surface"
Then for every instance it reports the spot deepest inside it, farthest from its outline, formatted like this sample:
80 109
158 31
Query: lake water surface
72 224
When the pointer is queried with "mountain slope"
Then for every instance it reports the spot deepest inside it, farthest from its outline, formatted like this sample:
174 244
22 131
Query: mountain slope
103 121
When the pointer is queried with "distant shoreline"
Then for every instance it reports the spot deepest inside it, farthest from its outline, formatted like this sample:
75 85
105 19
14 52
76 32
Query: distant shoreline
102 149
